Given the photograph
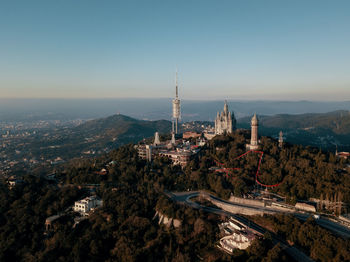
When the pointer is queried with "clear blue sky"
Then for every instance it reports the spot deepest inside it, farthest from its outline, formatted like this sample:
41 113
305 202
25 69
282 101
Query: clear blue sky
223 49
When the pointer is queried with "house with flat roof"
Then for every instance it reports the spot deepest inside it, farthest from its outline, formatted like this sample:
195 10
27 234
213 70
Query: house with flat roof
84 206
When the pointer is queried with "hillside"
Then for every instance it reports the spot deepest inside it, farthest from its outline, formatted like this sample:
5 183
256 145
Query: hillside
97 136
326 130
122 128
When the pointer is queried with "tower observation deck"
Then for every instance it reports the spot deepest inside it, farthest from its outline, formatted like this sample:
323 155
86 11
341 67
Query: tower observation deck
176 109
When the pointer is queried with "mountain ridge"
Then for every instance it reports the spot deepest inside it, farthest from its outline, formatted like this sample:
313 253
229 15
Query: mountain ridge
327 130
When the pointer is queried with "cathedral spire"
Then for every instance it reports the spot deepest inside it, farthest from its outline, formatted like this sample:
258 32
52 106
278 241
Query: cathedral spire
225 107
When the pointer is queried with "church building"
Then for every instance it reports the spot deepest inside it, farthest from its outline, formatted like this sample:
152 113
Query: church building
225 121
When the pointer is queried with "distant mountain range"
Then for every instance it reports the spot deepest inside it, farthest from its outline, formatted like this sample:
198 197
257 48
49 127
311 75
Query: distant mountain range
95 137
321 130
152 109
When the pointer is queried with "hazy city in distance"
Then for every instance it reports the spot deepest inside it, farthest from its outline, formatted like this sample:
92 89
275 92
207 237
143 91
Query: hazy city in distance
153 109
202 130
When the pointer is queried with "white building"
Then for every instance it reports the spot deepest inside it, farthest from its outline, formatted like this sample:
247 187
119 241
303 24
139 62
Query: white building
305 207
236 240
84 206
225 122
237 236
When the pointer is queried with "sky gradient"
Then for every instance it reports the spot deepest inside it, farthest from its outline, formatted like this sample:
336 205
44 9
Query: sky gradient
289 50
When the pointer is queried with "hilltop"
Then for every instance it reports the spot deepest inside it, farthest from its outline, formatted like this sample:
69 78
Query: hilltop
104 134
122 129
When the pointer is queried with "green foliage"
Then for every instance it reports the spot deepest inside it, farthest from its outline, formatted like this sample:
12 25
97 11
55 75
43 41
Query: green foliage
304 172
317 242
124 229
23 212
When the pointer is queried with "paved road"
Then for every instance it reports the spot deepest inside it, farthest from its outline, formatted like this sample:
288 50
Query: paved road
185 197
334 227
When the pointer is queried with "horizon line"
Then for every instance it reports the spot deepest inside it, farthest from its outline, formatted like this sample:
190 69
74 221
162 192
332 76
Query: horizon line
169 98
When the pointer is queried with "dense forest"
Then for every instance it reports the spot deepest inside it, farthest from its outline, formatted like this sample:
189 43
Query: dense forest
124 229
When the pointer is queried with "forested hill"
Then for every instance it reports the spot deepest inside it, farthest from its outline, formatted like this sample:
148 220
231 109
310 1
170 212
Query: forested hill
97 136
325 130
123 127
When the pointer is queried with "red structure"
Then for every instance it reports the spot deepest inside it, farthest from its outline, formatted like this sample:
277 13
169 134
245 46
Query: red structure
257 174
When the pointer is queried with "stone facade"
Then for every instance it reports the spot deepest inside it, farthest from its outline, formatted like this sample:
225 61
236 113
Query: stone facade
225 122
254 142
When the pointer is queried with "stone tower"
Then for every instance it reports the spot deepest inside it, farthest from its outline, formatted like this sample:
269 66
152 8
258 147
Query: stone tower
280 139
254 143
156 139
225 121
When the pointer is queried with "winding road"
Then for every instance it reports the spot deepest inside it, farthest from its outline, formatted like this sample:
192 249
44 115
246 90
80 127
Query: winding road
185 198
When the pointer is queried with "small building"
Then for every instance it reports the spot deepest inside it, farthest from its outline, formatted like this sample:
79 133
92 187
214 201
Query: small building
102 172
190 134
344 155
236 236
305 207
237 240
209 135
13 181
180 157
84 206
142 151
50 220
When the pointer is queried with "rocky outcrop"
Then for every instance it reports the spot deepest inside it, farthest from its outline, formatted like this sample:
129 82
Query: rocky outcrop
168 222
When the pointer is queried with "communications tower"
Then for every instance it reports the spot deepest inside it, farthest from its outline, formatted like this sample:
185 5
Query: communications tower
176 109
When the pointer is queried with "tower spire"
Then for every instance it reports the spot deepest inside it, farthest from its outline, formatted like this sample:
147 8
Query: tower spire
177 94
225 108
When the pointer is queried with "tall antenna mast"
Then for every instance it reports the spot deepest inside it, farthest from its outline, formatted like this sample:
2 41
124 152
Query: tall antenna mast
177 94
176 107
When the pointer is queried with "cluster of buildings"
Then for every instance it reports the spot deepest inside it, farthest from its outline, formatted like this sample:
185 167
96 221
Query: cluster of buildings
236 236
181 151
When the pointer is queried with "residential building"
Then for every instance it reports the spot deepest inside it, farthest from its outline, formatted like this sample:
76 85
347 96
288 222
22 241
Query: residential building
84 206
